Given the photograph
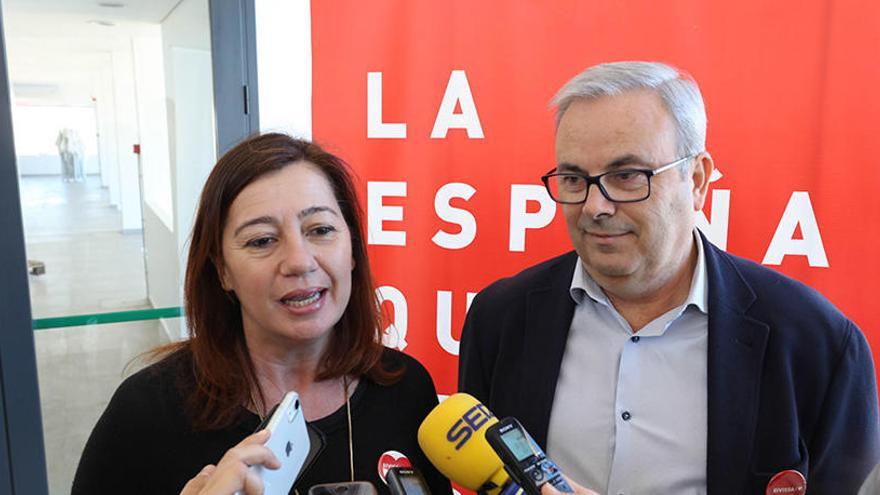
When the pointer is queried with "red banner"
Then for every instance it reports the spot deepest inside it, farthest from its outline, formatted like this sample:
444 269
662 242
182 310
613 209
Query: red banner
442 107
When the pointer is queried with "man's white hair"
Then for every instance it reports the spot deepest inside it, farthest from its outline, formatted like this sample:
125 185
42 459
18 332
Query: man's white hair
678 91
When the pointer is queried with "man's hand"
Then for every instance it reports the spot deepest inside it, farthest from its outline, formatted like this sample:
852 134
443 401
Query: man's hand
549 489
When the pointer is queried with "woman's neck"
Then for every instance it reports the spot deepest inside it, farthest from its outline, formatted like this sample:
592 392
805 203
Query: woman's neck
283 366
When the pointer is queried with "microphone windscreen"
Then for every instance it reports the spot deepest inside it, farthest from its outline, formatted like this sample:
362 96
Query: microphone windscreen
453 437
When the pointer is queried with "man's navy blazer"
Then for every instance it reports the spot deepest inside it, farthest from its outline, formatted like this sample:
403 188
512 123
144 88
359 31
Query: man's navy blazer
791 381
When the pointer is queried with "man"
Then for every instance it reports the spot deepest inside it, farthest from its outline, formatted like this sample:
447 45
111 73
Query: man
648 360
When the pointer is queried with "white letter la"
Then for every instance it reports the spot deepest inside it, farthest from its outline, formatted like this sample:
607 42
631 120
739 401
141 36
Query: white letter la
457 90
375 127
799 211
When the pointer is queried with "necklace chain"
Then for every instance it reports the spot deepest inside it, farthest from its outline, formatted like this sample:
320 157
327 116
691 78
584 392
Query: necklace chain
350 431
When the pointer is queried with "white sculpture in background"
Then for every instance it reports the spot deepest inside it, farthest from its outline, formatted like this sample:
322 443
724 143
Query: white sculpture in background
70 148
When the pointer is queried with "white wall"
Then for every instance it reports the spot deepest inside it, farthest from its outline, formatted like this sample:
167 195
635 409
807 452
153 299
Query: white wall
186 50
153 124
160 253
105 105
162 266
284 66
127 136
193 131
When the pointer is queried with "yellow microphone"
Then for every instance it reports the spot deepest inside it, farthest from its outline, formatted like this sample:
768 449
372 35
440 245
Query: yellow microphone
453 437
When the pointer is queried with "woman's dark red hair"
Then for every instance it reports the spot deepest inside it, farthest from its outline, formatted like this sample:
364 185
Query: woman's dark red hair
223 371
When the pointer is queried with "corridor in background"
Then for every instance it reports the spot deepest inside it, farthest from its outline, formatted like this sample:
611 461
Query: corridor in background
114 135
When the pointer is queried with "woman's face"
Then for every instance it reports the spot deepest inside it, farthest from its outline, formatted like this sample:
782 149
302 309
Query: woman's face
287 256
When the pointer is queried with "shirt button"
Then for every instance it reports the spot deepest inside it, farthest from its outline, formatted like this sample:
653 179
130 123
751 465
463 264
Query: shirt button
635 338
626 415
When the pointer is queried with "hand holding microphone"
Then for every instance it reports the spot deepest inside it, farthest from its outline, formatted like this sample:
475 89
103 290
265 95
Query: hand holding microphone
453 437
468 444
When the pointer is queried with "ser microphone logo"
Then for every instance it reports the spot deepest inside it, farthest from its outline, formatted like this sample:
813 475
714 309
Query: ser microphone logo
472 420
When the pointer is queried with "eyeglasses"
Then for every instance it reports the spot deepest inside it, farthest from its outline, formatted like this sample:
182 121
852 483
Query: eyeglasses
628 185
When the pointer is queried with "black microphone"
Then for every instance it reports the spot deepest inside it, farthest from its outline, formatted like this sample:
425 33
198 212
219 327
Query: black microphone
344 488
406 481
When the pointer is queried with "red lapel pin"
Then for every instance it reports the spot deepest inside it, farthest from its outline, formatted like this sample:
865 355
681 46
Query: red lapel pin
788 482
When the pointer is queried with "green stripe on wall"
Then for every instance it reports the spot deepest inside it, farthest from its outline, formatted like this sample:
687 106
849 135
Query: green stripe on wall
102 318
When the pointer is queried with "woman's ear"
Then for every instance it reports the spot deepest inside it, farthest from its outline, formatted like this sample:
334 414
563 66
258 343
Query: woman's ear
223 275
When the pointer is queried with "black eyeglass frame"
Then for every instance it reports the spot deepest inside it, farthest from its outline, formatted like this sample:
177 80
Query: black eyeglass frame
596 179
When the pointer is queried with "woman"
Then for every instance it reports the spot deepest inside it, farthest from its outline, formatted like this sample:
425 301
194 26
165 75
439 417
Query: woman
278 297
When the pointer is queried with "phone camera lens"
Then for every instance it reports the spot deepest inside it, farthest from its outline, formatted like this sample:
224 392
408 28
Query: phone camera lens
296 404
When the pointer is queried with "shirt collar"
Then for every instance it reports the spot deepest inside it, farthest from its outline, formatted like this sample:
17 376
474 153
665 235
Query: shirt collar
583 285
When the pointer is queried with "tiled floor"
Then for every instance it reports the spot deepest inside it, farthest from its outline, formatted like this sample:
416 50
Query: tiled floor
91 267
79 368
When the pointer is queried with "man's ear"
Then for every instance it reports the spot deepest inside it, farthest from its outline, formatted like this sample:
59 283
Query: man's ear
701 175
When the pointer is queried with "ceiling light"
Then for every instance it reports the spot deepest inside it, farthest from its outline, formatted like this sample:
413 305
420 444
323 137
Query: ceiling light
101 23
111 5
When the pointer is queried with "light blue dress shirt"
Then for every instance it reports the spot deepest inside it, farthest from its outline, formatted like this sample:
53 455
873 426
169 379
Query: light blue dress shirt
630 412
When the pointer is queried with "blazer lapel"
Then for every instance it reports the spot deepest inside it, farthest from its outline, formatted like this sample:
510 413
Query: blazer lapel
549 311
736 354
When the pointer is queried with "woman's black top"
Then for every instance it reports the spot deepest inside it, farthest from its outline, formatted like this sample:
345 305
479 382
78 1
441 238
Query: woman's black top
144 442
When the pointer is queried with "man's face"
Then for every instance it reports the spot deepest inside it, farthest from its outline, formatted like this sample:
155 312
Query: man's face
629 248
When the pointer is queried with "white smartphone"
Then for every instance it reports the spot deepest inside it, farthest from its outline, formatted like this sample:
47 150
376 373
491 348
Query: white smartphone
289 442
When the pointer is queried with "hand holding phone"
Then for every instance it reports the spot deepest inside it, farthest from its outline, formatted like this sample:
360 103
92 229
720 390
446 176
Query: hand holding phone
289 441
526 463
227 477
275 453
